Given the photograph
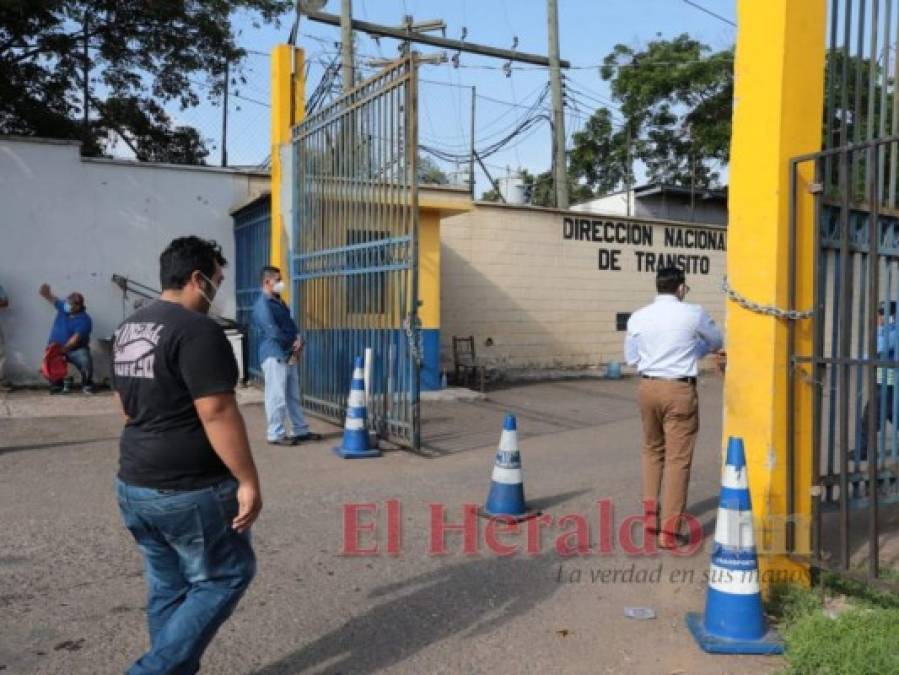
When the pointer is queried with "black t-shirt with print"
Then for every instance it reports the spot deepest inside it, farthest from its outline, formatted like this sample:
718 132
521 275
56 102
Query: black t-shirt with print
164 357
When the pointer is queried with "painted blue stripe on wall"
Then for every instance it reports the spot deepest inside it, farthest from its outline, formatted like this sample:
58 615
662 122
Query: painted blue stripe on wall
430 362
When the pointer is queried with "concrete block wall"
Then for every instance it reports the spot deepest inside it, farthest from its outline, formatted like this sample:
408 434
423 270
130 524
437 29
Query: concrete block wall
535 299
73 222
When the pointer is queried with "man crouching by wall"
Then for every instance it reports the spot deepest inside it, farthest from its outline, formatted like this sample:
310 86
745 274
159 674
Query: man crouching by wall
187 484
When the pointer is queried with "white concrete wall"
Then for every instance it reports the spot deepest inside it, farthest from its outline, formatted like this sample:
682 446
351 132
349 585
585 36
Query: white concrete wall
73 223
510 276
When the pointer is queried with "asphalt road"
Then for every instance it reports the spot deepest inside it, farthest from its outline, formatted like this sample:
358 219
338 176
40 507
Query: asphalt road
72 593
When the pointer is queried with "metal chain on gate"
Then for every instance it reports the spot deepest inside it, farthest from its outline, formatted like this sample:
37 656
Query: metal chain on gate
412 338
767 310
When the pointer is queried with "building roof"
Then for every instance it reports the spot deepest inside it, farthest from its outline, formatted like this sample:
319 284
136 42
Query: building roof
652 189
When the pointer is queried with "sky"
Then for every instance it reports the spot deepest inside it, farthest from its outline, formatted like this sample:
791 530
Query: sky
588 32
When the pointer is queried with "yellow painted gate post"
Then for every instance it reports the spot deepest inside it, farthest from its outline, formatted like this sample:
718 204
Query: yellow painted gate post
778 112
288 109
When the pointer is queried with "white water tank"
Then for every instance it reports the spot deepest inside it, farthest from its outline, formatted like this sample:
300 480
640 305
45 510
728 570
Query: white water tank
512 189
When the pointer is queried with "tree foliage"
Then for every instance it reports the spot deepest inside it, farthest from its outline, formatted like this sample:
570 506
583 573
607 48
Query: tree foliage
675 98
540 189
140 57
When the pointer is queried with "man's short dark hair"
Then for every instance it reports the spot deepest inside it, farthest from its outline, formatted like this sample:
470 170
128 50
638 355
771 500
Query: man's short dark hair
269 272
669 278
883 307
184 256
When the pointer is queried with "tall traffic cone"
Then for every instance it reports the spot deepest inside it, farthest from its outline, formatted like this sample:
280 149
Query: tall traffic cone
506 497
355 428
733 621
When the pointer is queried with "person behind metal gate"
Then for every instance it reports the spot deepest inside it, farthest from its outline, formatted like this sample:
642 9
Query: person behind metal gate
887 338
665 341
187 487
72 332
280 349
4 383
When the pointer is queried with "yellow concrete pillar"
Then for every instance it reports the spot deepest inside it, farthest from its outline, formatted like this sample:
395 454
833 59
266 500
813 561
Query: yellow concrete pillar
288 109
778 104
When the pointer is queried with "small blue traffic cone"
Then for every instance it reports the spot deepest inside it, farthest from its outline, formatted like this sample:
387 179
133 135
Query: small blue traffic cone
355 428
506 497
734 622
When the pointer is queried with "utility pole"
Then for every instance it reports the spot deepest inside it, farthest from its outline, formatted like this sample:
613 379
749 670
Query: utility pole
225 116
87 73
628 171
347 69
560 177
474 95
404 34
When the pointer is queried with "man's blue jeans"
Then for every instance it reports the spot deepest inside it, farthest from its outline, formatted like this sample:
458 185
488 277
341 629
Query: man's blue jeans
282 398
81 359
196 566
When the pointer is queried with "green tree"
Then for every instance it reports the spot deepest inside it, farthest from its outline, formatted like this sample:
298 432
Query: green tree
429 173
600 157
140 57
540 190
676 100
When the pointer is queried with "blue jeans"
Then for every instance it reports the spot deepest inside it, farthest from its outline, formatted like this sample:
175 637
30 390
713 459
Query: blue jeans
282 398
196 566
81 359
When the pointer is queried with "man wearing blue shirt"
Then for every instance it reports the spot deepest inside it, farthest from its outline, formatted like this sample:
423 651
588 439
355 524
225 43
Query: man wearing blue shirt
886 350
72 332
280 348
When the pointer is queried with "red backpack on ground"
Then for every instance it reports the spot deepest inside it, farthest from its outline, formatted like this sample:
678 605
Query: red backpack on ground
54 366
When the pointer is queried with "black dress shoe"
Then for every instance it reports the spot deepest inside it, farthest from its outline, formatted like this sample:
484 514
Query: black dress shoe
286 441
309 436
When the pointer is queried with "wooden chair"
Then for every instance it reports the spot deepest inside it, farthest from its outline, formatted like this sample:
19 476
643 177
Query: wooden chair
465 362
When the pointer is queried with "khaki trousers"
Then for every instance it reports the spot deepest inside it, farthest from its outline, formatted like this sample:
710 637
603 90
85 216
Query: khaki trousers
670 414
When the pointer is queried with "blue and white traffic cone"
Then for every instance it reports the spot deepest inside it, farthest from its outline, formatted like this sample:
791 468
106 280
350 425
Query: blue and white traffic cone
355 429
734 622
506 497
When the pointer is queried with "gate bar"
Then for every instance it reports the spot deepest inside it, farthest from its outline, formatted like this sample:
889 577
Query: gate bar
844 318
873 444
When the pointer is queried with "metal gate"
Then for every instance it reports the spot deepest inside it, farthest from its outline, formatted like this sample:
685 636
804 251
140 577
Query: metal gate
849 190
354 262
252 239
852 366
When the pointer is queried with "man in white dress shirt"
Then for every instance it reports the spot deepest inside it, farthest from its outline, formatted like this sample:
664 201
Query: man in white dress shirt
665 341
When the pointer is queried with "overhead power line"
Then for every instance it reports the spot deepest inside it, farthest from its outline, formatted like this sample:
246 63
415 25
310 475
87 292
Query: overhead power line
710 13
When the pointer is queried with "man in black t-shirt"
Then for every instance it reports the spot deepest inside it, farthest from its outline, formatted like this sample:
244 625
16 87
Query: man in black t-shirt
187 485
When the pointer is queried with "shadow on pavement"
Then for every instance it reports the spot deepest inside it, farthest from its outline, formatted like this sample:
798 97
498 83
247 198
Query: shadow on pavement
544 503
56 444
470 598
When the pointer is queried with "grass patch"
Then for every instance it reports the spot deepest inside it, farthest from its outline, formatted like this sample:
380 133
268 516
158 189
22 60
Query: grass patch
856 632
860 641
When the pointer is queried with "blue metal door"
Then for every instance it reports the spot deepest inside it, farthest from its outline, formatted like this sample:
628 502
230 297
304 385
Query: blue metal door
252 237
354 263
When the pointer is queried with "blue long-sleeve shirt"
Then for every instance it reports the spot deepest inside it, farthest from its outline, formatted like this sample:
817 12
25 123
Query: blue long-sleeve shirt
276 328
886 349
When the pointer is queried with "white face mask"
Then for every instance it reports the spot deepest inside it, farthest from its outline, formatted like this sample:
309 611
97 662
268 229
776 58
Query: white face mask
278 287
214 292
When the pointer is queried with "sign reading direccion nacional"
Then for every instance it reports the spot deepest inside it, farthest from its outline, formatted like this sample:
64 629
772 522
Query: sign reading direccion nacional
650 254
